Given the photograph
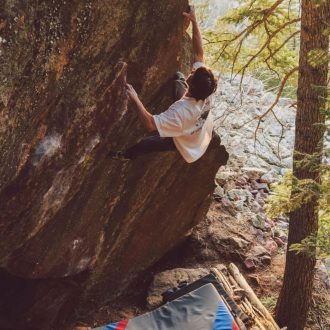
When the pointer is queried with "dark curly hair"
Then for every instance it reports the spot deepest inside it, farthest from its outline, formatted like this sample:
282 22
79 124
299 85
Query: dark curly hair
202 83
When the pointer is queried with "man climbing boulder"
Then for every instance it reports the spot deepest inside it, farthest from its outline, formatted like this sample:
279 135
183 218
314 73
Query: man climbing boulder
187 125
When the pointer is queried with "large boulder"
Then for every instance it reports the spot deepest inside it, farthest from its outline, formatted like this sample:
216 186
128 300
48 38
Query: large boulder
68 213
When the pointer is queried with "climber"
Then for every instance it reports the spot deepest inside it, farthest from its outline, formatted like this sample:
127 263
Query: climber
188 123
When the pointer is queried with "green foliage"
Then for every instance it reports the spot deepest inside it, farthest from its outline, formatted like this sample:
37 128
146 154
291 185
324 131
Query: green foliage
318 57
269 302
252 39
326 32
279 201
319 2
291 194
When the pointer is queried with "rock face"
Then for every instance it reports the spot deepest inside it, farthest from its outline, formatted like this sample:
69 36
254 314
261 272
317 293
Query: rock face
171 279
72 220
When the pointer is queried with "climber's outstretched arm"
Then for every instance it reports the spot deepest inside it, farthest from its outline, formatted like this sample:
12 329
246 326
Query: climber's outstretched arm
144 116
197 36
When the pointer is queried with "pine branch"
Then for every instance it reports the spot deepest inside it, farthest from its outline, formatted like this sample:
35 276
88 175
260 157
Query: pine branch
272 69
279 143
282 45
236 56
249 29
269 36
267 42
278 96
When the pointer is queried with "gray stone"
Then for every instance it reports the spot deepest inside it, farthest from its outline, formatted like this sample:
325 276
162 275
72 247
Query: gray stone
326 262
226 202
282 225
268 98
284 102
260 200
239 205
255 207
258 221
270 177
283 218
228 244
279 241
240 194
219 192
287 162
237 129
258 251
260 186
268 226
169 279
279 233
271 246
238 243
254 173
223 177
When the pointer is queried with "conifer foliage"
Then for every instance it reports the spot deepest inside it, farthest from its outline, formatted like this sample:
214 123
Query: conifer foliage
259 36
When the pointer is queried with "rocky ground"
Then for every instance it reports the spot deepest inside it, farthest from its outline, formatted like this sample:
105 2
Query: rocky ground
236 228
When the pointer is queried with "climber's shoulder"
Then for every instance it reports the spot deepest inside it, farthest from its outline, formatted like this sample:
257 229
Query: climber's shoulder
197 64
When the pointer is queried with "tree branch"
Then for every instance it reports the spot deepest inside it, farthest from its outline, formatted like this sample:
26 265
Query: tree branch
282 45
249 29
267 42
278 96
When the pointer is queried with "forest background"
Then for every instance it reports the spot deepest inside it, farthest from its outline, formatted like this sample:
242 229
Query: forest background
285 44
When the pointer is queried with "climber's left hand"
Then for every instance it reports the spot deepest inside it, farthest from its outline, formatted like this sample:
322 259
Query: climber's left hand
131 93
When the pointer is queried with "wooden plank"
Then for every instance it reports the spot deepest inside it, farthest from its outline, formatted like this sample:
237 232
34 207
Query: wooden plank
239 278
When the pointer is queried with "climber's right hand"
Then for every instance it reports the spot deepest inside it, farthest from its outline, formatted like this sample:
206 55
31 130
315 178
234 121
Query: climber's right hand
131 93
191 15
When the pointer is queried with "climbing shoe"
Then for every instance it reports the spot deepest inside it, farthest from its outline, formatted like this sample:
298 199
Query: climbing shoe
118 155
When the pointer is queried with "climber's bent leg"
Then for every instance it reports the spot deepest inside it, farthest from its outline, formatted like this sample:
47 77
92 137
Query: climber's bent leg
153 143
180 86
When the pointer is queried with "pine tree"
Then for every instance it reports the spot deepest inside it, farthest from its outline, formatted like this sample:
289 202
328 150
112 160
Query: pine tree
295 297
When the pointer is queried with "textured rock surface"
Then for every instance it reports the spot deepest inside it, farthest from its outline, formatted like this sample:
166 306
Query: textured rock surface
171 279
72 221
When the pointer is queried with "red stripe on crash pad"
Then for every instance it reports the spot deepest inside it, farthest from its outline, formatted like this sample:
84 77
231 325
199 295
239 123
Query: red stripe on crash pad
122 325
235 326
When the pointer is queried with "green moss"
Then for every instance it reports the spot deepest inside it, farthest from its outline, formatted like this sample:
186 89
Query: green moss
269 302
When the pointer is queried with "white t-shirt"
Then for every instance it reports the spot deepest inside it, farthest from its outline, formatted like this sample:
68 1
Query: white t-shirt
190 123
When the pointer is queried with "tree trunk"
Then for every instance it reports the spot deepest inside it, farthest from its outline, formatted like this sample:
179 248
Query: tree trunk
295 297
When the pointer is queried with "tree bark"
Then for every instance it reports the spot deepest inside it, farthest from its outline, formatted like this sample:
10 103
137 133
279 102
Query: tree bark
295 297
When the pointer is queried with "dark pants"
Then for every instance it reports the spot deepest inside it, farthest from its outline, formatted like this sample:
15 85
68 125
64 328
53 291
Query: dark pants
155 143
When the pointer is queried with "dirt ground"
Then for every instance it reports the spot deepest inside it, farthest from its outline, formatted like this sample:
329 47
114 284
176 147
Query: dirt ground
209 244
